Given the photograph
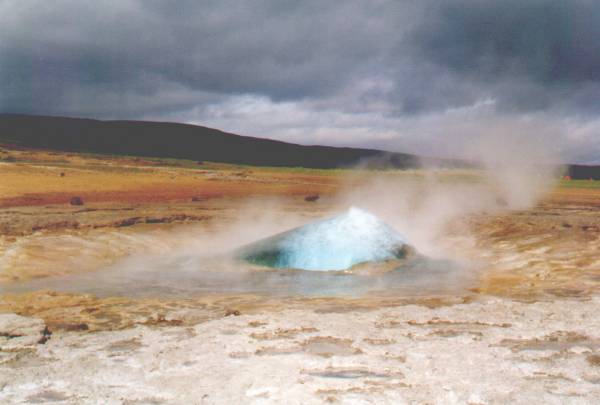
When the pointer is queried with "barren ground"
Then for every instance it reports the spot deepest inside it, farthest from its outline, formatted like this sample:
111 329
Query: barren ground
526 332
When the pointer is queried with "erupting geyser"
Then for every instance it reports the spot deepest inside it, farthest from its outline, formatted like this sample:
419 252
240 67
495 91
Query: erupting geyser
337 243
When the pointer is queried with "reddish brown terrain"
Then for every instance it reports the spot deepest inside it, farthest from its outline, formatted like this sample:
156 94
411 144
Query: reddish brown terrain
527 307
548 250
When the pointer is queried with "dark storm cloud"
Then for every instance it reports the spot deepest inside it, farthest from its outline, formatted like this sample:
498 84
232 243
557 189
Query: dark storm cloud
548 41
134 58
529 54
280 49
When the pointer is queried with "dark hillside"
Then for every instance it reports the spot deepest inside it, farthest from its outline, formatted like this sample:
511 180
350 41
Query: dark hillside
161 139
584 172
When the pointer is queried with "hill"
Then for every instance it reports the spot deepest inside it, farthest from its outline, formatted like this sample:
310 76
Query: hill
583 172
173 140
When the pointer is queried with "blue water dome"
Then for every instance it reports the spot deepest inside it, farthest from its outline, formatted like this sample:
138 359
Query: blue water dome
336 243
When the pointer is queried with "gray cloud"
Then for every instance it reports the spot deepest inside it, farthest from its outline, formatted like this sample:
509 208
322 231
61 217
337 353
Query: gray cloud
370 70
547 41
276 49
530 54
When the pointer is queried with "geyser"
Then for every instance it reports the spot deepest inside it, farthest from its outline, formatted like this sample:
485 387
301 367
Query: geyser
336 243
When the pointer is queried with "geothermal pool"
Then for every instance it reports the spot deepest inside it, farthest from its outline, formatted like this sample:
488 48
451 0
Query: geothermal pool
352 254
173 279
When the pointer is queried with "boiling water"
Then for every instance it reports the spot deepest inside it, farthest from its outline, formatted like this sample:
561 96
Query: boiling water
188 276
353 254
336 243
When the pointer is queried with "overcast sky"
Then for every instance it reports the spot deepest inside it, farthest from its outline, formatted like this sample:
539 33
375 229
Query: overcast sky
424 76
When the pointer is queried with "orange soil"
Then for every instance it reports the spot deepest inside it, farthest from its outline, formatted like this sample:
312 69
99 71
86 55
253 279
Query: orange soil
55 178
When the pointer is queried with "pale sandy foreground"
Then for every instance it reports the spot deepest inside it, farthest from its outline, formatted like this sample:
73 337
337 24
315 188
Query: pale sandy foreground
490 351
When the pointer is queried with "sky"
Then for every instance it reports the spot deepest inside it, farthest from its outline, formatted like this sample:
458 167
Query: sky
426 76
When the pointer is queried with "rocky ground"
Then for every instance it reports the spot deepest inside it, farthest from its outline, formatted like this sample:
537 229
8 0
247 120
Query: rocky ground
488 351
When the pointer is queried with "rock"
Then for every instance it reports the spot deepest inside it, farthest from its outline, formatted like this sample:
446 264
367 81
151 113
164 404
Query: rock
311 198
594 360
71 327
20 332
76 201
127 222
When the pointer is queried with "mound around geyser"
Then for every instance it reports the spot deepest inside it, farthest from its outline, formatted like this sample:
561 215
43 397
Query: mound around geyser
336 243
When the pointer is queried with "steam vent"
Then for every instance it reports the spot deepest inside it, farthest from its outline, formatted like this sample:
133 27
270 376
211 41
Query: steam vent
336 243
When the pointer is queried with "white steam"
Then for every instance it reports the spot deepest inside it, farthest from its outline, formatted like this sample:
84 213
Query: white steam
512 171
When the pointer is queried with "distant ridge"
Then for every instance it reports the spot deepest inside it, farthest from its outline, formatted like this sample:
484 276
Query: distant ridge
583 172
184 141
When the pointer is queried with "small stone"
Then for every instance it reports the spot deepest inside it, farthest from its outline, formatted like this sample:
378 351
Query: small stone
594 360
76 201
71 327
127 222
